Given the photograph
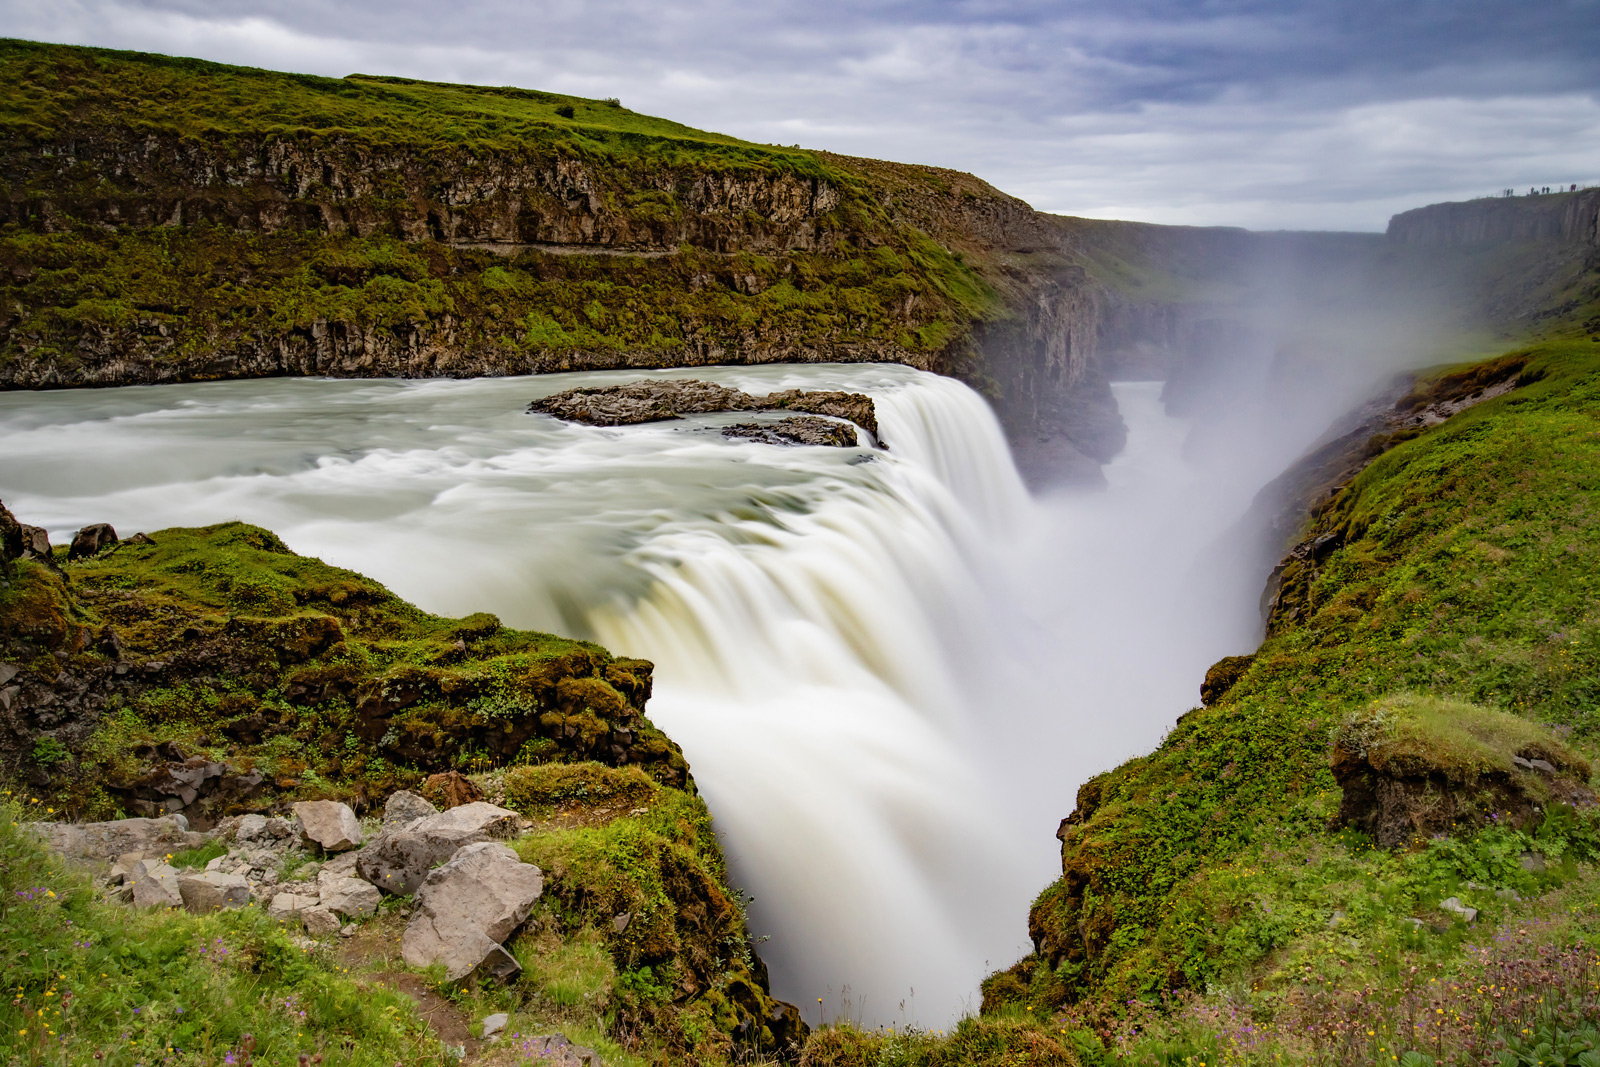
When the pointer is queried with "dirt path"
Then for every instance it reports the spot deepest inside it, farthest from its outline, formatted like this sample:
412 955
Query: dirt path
377 945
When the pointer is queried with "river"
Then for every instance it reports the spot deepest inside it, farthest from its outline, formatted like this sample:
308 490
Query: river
889 670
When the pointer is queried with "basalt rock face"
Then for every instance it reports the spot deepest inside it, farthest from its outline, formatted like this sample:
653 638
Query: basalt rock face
387 249
1564 217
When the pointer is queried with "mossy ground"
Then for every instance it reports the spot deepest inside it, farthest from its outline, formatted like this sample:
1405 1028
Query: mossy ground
238 650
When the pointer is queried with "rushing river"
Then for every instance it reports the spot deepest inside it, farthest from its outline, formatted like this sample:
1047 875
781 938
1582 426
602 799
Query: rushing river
889 670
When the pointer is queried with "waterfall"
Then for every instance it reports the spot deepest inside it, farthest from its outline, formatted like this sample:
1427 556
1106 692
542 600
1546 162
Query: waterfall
889 670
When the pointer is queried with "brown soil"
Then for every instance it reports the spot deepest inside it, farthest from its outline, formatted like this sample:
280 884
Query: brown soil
377 945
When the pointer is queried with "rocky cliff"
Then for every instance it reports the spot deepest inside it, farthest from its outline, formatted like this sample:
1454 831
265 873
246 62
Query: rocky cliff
170 220
1569 218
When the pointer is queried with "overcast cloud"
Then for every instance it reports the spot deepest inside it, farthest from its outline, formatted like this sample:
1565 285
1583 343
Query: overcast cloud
1301 113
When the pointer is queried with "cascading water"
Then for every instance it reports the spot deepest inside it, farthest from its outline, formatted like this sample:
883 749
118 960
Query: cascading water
889 670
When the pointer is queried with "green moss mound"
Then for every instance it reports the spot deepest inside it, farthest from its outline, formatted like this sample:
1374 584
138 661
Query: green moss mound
219 643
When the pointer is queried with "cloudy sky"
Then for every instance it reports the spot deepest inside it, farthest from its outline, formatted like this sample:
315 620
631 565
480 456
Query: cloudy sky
1319 114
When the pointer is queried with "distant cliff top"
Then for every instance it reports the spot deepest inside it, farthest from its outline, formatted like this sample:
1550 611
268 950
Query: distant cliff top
1572 217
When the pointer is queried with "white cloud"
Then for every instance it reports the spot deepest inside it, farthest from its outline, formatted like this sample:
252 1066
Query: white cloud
1174 113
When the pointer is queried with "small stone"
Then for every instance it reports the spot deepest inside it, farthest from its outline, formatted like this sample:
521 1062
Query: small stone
216 863
329 824
1544 766
1523 763
493 1024
347 930
1454 906
319 922
1337 919
1532 861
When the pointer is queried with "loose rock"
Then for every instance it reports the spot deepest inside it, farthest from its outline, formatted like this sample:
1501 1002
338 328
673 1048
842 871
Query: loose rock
288 905
329 824
493 1024
466 908
155 885
92 540
1454 906
403 808
350 897
319 921
399 862
213 891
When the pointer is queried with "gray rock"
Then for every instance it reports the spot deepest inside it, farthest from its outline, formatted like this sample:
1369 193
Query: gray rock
493 1024
1532 861
213 891
1454 906
348 930
155 885
329 824
466 908
319 922
250 827
399 861
403 808
108 840
479 817
350 897
1542 765
288 905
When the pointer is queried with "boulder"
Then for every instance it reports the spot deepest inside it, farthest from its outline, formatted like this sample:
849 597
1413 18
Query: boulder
289 905
477 817
155 885
467 908
11 541
36 545
451 789
213 891
109 840
329 824
350 897
92 540
403 808
319 921
398 862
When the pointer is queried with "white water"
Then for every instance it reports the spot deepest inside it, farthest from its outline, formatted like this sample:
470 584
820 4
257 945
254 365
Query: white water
889 670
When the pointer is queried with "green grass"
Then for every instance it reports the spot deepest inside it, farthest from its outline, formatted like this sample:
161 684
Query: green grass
87 981
52 88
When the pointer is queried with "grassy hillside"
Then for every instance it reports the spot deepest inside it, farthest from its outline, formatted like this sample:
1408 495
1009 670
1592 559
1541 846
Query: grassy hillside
220 646
50 88
173 219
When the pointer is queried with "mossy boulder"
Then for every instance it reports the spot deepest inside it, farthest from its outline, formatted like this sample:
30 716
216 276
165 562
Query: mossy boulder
1412 767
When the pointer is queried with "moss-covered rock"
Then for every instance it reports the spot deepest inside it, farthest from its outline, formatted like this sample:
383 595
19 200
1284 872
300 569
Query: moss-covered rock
221 643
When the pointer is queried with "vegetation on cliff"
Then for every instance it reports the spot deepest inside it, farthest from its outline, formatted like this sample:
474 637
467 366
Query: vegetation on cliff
172 219
1457 567
274 677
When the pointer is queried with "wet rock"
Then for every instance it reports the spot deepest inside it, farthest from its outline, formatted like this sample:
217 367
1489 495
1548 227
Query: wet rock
467 908
92 540
213 891
328 823
796 430
155 885
656 400
451 789
405 807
